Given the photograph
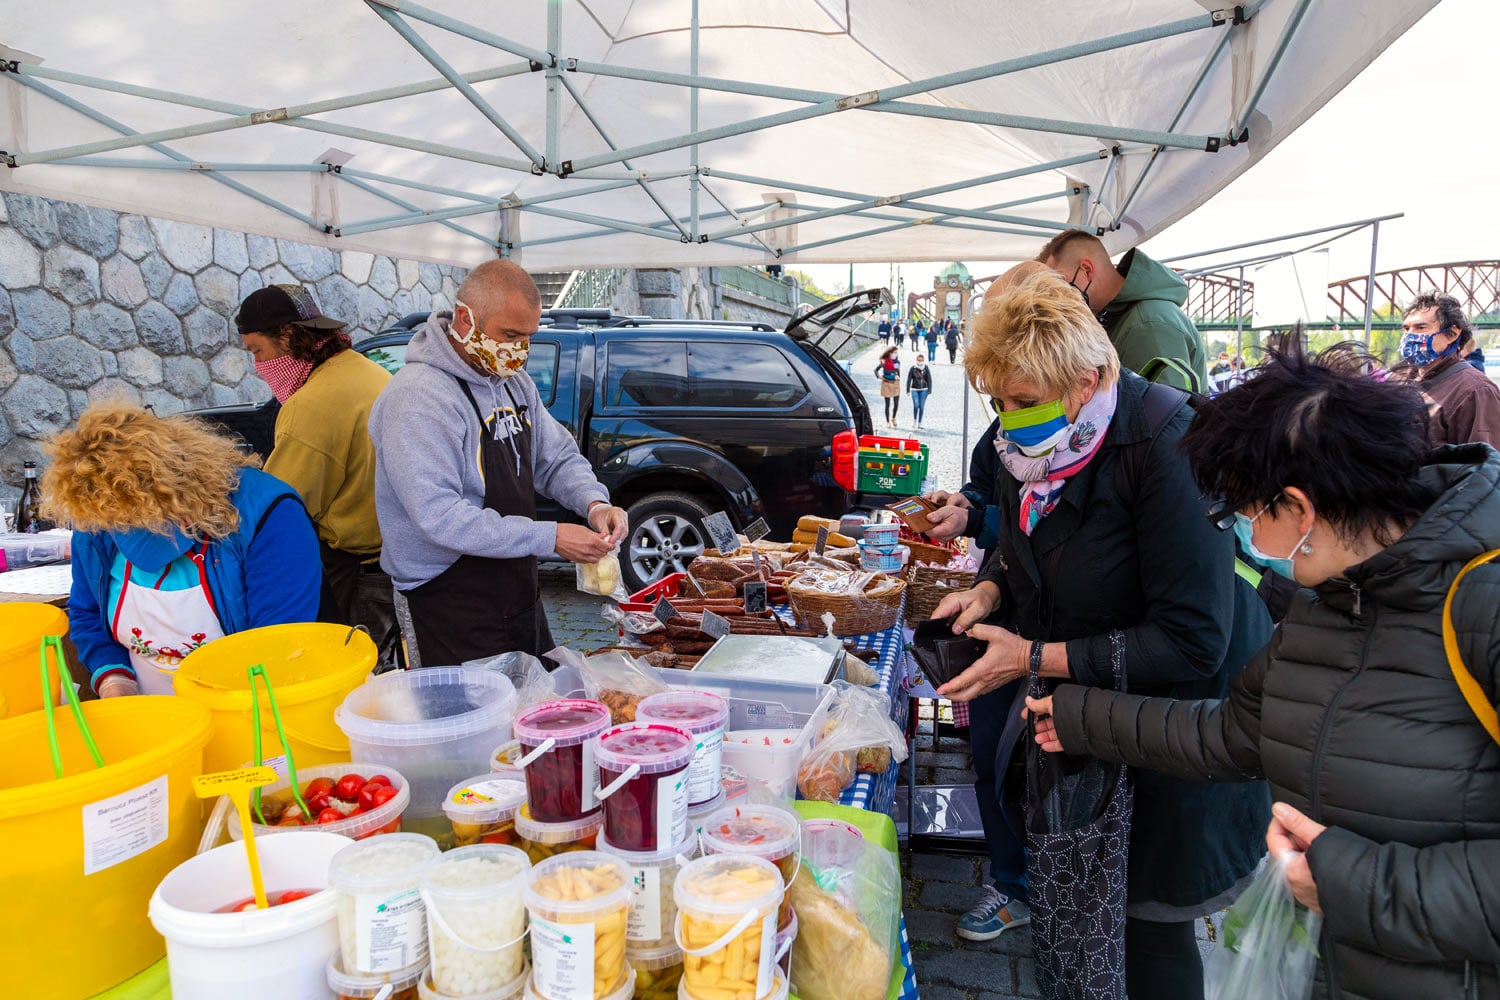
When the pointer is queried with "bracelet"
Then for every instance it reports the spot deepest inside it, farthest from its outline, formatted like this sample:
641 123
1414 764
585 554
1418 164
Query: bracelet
1036 657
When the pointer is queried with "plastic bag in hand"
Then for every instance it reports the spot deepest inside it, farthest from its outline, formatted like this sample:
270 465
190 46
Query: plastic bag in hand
1268 944
602 578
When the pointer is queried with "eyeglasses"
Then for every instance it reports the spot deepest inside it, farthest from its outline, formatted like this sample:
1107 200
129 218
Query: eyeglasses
1221 514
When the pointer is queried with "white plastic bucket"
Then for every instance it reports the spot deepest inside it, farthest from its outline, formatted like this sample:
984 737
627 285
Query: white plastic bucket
278 952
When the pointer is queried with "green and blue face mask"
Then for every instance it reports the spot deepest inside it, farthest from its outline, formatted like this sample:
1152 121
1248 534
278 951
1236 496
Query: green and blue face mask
1034 430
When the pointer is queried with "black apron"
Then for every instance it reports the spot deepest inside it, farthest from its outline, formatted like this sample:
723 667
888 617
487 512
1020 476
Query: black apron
482 607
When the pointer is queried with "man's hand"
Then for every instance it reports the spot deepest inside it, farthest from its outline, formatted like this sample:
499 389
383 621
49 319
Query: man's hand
576 543
1292 831
609 522
947 523
971 606
937 496
1003 661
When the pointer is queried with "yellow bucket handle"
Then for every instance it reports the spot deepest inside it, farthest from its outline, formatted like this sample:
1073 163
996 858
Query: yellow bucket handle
259 670
64 681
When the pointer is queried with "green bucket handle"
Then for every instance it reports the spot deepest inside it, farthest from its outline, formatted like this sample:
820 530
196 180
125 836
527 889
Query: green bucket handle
259 670
64 681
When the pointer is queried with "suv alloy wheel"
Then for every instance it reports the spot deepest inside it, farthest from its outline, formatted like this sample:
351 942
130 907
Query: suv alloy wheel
666 533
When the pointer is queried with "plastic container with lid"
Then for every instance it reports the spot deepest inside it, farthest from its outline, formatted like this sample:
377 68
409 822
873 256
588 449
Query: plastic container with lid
785 937
357 986
476 923
702 715
727 907
483 809
557 738
781 990
357 826
763 832
510 991
698 815
382 920
579 904
436 726
541 841
506 760
626 988
643 768
653 908
657 972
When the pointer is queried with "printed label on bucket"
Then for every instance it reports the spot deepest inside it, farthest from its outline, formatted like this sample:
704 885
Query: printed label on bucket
703 774
562 959
390 932
122 826
590 782
644 923
671 808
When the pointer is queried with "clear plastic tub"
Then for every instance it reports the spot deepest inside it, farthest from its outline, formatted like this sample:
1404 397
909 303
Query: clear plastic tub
541 841
779 991
579 905
382 819
382 921
506 760
476 923
557 738
643 771
627 987
483 809
354 986
436 726
760 831
702 715
653 908
510 991
698 815
727 908
657 972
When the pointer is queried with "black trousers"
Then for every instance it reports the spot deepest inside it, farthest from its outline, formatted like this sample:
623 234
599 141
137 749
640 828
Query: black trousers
358 593
1162 961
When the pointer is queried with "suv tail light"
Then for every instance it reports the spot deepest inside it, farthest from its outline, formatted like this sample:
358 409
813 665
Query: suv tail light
845 453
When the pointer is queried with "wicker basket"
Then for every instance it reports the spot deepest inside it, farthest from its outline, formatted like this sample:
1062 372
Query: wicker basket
852 614
925 552
926 586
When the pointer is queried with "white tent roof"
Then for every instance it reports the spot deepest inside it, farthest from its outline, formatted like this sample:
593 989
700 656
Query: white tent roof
822 112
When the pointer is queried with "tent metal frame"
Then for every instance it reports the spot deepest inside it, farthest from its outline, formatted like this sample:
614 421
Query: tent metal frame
585 175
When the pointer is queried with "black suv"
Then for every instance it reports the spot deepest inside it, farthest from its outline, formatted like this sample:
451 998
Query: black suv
679 418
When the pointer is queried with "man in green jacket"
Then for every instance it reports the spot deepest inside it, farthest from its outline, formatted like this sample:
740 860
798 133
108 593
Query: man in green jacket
1140 304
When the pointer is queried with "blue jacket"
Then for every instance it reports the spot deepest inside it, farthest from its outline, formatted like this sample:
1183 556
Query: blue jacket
267 573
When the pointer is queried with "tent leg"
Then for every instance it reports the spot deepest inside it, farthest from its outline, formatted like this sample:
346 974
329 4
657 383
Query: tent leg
1370 284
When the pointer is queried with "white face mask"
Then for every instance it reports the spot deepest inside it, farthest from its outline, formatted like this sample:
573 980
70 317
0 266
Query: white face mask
499 359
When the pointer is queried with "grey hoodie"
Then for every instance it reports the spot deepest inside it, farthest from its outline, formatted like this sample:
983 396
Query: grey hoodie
429 491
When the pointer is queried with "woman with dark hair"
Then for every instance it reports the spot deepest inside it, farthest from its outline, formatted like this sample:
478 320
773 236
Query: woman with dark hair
888 370
1386 780
323 447
1101 530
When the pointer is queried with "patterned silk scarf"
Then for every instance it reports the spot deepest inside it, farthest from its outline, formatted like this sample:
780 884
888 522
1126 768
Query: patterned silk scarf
1039 447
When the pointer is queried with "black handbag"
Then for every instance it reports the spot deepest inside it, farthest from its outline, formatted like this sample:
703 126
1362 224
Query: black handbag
1078 812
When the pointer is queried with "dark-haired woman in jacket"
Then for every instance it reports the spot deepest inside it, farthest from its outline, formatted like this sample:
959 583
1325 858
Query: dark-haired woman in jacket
1386 783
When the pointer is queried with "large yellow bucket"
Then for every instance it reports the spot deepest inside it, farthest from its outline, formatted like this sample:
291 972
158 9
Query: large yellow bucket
83 853
312 667
22 626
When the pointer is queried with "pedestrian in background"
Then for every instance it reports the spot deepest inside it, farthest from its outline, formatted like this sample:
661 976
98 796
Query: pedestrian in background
888 370
918 387
931 337
950 340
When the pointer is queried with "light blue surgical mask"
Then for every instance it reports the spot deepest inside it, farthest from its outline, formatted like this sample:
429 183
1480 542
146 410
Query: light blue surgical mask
1244 530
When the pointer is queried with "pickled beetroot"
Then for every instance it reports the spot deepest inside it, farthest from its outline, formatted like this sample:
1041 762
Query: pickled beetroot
649 811
560 782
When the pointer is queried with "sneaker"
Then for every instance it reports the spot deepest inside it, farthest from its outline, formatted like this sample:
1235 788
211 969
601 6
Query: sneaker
995 914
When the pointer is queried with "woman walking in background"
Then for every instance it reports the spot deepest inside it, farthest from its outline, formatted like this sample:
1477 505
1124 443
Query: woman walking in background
919 386
889 373
932 343
951 342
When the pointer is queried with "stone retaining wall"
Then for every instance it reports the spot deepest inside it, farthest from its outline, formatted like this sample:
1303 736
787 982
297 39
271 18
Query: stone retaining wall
95 303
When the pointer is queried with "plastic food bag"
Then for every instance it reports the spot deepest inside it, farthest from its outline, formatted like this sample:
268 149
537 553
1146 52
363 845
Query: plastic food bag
1269 947
848 903
615 679
602 578
532 682
858 736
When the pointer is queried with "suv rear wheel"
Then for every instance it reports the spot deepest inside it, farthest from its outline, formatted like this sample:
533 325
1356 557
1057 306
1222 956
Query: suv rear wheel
666 534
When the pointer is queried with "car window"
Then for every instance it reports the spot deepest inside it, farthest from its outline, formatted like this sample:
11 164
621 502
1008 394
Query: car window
390 357
646 373
741 375
541 365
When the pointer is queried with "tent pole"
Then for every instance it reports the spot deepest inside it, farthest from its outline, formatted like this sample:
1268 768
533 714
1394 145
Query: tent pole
1356 224
1370 283
693 121
1239 317
1282 43
403 203
494 205
554 92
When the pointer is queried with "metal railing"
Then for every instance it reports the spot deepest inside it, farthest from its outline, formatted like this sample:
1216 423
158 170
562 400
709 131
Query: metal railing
594 289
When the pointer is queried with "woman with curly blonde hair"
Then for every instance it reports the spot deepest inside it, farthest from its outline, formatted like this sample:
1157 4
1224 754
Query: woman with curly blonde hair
177 541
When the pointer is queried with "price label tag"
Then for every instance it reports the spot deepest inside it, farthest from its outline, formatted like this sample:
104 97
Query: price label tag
822 542
714 625
664 610
757 529
722 532
227 782
755 597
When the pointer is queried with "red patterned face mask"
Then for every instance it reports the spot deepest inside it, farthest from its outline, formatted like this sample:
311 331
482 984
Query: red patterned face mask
285 375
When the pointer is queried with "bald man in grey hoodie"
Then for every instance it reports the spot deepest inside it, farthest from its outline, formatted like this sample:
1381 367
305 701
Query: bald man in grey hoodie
463 444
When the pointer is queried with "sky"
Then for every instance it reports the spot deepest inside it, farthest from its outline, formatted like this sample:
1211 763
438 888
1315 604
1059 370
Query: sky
1414 133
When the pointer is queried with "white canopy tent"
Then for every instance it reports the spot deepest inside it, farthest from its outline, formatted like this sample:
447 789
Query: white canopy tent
590 133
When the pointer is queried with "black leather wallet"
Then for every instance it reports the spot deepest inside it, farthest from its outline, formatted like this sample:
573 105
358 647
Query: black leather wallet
941 654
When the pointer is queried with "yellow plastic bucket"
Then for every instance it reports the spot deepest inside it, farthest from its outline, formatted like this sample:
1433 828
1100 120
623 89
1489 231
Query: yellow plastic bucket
22 626
87 850
312 667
